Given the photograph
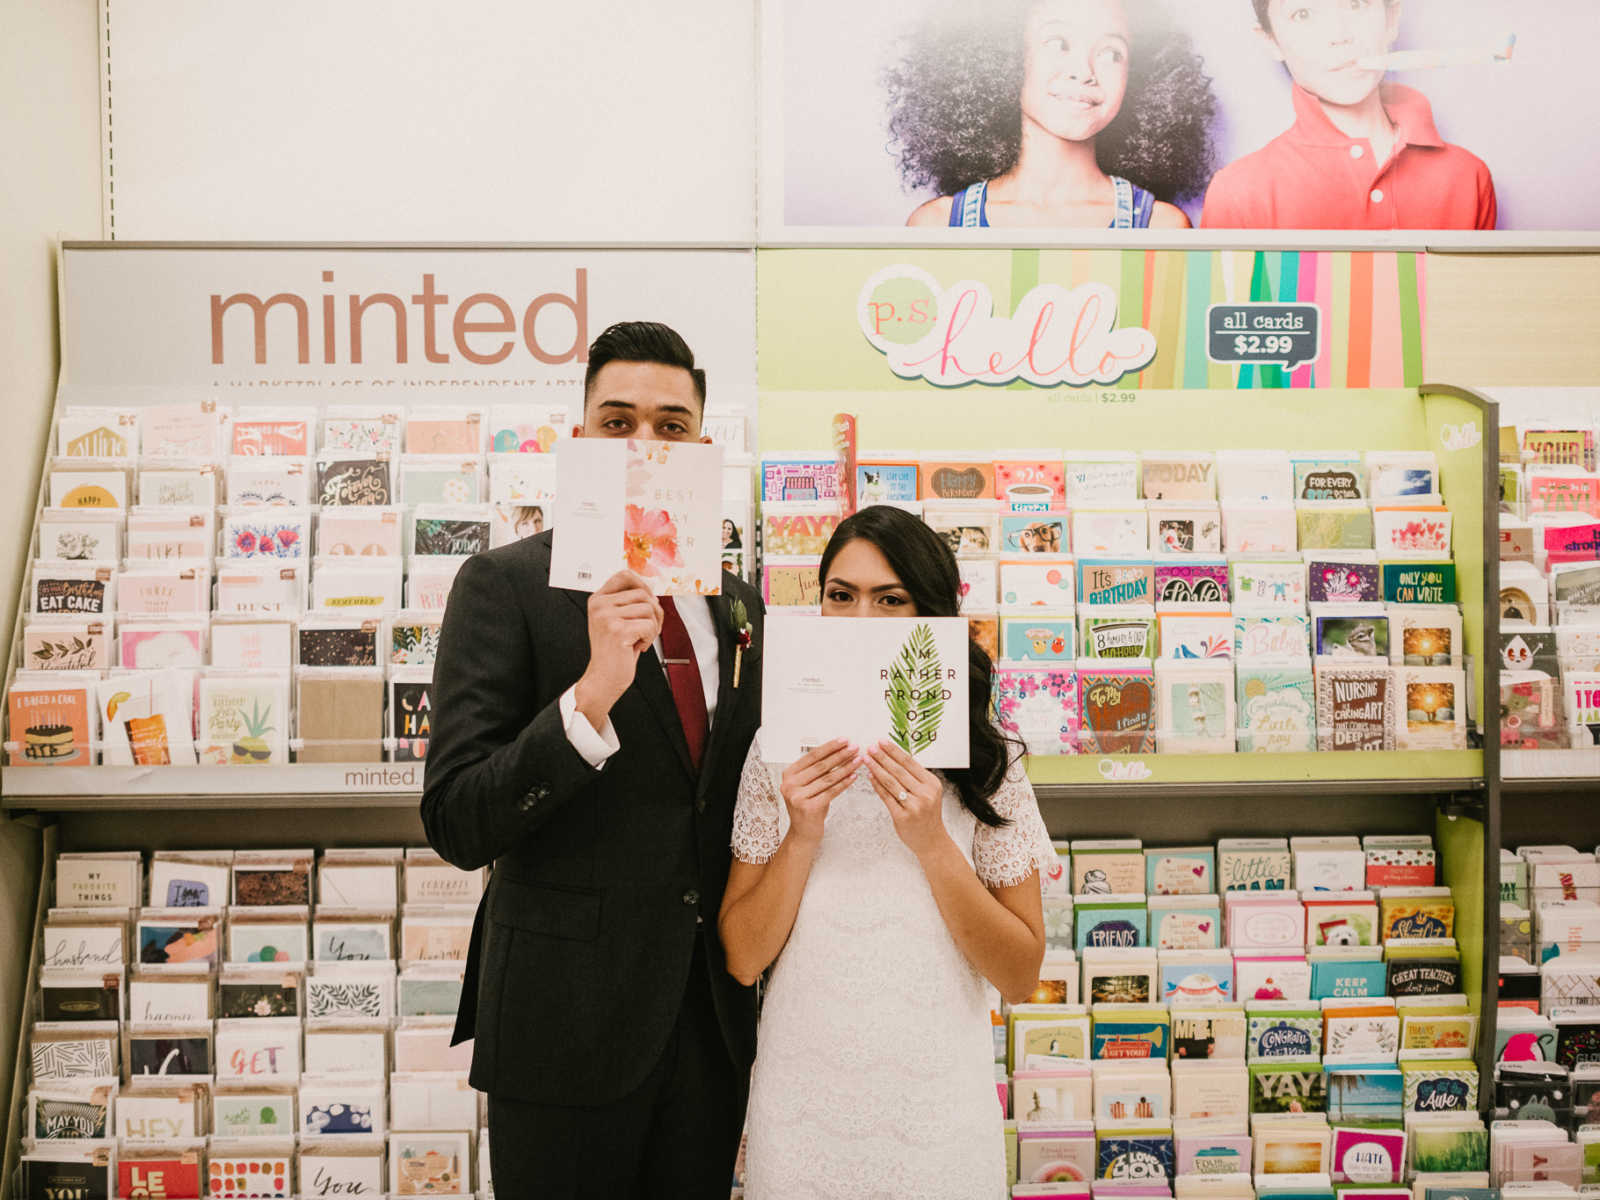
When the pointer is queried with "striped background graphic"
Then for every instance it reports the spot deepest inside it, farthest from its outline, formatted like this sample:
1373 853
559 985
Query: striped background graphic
1373 306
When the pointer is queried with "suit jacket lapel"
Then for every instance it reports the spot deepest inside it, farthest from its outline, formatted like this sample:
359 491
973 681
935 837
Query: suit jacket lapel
650 681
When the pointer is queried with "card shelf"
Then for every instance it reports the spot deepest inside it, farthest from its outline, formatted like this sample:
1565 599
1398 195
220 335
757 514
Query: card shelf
304 785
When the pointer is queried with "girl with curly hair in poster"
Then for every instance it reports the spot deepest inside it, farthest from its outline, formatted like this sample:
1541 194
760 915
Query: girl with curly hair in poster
1063 113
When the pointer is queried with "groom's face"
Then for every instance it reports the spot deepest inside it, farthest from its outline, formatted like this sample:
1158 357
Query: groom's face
1320 42
647 400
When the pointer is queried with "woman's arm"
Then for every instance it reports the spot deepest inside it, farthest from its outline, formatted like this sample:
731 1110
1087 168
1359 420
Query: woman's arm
761 899
1001 929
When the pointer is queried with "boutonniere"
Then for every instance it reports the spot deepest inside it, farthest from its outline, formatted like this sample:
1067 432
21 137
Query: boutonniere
739 621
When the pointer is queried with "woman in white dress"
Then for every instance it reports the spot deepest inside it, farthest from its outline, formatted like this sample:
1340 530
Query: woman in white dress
883 895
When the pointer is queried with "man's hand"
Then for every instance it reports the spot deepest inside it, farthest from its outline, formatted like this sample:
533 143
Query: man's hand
624 622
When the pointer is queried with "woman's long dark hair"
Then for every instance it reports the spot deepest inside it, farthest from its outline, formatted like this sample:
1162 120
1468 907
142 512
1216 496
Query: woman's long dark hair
927 569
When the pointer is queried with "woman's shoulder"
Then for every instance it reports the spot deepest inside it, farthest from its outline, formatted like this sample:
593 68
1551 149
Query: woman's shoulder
1168 216
934 212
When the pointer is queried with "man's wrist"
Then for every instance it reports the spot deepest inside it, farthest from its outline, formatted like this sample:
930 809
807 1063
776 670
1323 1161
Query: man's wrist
596 708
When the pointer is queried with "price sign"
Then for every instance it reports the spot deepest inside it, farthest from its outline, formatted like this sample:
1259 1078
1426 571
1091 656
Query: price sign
1285 334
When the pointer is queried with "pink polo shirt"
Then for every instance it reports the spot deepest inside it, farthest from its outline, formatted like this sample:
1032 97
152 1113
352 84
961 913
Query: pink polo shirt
1315 177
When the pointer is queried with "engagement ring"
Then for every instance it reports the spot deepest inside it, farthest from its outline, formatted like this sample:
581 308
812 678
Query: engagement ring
903 796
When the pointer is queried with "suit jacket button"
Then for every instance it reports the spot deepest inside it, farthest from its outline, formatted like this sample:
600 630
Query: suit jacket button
691 897
529 801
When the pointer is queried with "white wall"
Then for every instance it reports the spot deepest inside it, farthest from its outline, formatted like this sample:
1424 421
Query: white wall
390 120
50 133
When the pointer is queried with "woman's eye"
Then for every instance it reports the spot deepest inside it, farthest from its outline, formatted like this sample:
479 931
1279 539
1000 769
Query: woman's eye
839 597
1114 54
1057 43
893 601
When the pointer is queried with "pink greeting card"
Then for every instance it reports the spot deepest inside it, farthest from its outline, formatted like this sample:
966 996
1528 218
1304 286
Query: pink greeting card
654 508
272 432
158 644
160 590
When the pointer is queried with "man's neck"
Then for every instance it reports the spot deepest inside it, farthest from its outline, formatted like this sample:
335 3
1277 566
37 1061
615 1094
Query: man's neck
1367 120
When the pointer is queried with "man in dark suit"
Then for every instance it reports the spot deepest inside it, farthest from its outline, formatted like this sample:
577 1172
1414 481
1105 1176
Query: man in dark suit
590 746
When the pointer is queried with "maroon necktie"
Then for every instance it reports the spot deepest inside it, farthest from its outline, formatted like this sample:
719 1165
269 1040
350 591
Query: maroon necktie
683 677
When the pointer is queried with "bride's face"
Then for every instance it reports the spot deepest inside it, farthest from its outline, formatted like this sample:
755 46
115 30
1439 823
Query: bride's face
861 583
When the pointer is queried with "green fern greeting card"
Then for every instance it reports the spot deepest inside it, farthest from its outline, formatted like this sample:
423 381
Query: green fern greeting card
868 680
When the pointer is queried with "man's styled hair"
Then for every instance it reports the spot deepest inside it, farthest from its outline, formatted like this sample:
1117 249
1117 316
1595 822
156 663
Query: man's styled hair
643 341
1264 19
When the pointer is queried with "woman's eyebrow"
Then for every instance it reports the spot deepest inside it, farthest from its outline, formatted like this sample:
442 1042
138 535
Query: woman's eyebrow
835 581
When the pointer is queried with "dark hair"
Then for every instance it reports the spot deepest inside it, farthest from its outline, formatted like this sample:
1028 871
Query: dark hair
642 341
1264 18
955 101
924 564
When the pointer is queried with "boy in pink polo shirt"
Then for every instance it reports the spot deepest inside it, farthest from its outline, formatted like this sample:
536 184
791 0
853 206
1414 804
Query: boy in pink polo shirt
1362 153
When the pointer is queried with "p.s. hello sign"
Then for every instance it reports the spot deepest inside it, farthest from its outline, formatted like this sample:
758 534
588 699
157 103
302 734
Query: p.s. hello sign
951 336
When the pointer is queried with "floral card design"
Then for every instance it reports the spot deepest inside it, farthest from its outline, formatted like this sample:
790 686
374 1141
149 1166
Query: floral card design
1335 581
78 646
866 678
364 480
1039 704
362 433
427 479
526 428
414 640
654 508
270 533
74 536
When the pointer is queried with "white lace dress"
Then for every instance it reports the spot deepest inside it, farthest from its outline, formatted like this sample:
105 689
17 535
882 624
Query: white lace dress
874 1072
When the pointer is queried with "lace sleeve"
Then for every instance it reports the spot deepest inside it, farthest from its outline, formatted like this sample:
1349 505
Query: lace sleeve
756 832
1005 857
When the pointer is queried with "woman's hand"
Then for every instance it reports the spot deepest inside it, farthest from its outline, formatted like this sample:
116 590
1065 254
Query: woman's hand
810 783
913 795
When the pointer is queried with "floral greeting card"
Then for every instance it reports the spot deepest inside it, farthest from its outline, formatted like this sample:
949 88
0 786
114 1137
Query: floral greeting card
654 508
278 533
1039 703
414 639
365 429
868 679
65 644
526 428
70 534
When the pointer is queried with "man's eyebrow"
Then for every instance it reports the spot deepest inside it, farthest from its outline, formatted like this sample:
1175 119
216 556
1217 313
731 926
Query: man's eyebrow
674 409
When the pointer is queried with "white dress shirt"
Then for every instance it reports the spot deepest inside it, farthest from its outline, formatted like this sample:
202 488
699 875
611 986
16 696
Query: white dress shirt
597 745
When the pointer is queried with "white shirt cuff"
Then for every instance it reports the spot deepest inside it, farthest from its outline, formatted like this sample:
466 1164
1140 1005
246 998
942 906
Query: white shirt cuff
595 746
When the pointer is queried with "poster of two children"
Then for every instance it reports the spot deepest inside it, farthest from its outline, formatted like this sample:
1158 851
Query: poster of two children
1358 115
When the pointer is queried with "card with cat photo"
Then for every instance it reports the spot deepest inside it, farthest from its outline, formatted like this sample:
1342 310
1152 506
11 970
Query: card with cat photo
967 527
65 644
273 431
80 536
255 482
86 431
354 480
